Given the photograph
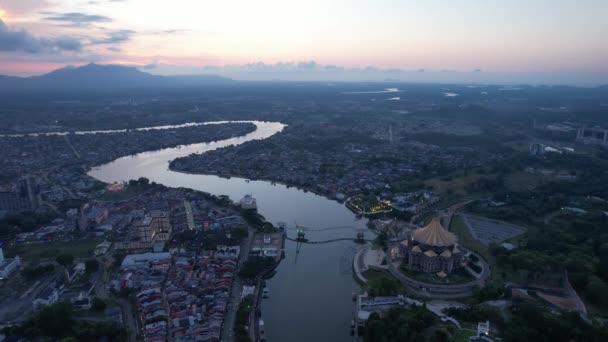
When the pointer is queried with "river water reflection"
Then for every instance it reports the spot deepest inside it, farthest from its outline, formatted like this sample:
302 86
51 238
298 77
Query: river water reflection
310 295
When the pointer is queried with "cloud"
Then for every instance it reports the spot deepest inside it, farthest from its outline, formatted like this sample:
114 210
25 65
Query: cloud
24 7
22 40
175 31
94 2
114 37
76 18
114 49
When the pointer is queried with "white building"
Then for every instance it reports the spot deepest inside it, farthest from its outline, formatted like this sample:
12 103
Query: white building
248 202
49 296
138 259
82 302
8 266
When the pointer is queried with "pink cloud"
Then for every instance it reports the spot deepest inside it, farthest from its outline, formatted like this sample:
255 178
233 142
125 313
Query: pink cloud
21 7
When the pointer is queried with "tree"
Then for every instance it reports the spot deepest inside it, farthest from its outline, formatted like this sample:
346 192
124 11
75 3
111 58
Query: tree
240 233
382 239
383 287
98 305
441 336
65 260
596 290
254 267
91 265
31 272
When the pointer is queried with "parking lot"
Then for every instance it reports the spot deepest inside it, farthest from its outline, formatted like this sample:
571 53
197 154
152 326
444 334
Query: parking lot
489 231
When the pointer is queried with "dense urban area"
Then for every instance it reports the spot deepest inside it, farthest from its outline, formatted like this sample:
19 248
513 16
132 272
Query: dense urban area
484 211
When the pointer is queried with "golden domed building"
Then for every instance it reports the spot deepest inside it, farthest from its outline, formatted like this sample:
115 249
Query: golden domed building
432 249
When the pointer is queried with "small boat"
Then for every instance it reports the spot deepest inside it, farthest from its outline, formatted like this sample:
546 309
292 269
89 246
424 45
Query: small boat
282 226
262 330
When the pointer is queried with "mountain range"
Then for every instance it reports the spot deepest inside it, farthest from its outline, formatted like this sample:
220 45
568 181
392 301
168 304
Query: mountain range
96 76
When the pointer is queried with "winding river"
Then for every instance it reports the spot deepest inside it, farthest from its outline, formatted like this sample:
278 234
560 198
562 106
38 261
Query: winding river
310 295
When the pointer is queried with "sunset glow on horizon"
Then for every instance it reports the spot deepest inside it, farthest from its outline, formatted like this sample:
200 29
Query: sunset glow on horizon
518 36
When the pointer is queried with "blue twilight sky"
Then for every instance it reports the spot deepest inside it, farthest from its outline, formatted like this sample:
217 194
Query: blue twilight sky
535 40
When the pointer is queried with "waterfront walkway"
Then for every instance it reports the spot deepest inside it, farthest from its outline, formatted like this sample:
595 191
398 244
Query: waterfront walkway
368 258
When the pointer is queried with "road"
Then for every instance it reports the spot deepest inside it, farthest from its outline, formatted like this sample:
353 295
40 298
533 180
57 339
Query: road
447 213
101 291
235 291
441 290
67 140
19 309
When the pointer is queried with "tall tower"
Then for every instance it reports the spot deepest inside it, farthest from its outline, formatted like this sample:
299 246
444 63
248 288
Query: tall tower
1 256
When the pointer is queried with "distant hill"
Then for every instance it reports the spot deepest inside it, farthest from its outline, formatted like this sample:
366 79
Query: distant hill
96 76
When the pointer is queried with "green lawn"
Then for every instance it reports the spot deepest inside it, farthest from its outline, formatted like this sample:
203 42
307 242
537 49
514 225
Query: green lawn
37 251
373 274
463 335
465 238
522 181
456 184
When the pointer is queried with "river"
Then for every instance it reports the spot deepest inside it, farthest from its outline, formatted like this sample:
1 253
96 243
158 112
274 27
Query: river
310 295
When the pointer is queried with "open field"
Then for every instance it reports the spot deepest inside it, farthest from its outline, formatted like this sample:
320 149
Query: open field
462 335
37 251
371 275
131 191
456 183
523 181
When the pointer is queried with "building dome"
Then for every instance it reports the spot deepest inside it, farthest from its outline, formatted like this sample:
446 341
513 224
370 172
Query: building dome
434 235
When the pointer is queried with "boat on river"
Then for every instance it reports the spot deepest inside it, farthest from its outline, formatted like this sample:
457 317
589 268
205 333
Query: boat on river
262 330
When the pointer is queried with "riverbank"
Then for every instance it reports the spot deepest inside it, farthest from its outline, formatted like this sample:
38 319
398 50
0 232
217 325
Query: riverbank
294 298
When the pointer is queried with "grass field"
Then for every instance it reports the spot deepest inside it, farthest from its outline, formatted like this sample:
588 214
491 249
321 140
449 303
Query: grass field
457 183
37 251
462 335
373 275
465 238
522 181
130 192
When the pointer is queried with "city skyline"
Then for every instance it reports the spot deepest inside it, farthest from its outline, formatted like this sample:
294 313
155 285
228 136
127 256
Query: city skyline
460 41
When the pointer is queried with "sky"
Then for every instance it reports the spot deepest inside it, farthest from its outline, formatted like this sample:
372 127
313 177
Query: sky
554 41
